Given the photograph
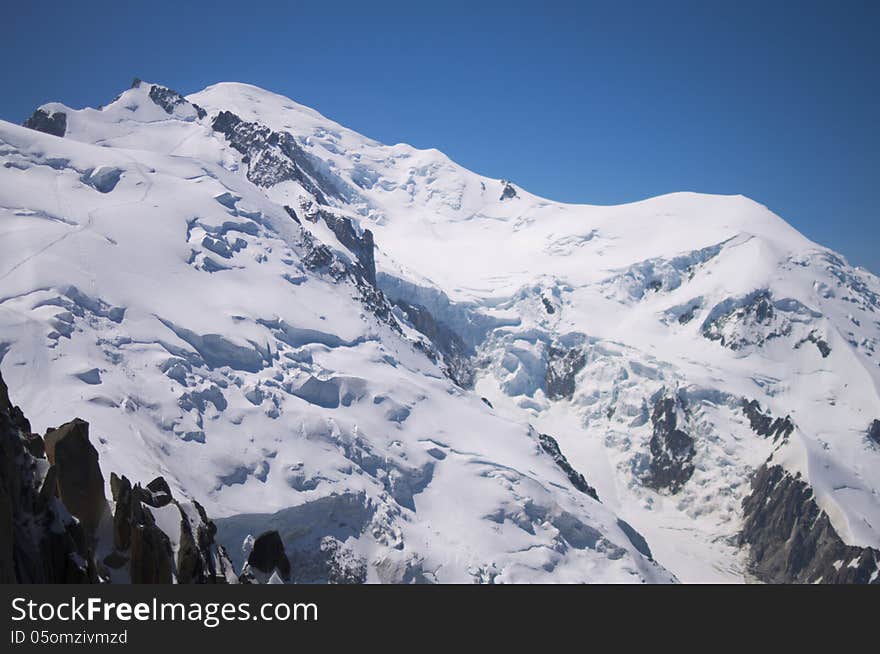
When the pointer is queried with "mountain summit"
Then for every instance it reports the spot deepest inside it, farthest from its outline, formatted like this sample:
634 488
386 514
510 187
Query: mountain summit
414 373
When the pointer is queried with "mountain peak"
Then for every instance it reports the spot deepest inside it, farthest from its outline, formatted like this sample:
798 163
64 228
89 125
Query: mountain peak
294 321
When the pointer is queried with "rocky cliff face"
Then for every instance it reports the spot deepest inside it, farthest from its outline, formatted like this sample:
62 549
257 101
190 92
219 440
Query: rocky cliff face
563 365
56 525
672 450
40 541
50 123
765 424
273 157
791 540
551 447
456 354
874 432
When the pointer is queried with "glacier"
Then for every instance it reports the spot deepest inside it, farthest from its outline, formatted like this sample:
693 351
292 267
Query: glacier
406 368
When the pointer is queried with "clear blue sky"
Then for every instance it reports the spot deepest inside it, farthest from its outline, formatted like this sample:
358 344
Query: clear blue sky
582 102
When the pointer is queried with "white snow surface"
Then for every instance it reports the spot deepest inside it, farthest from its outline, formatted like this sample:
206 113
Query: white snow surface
271 394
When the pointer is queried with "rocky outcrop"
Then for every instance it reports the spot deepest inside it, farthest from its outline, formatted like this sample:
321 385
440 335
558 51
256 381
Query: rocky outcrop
55 519
146 550
361 246
169 100
820 343
150 553
791 540
765 424
273 157
508 192
751 320
319 258
563 365
265 559
635 538
755 319
874 432
672 450
456 354
40 542
80 484
54 123
551 447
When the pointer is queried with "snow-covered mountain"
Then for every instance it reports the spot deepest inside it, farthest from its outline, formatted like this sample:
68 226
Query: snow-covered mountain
416 373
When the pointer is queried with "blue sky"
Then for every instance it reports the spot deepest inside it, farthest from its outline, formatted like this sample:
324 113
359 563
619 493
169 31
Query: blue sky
583 102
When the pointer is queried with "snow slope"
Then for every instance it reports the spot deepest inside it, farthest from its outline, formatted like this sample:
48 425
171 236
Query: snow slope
161 290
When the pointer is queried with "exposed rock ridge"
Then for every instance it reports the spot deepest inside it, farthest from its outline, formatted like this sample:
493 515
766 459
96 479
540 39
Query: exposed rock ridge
40 542
791 540
54 123
563 365
55 520
551 447
456 354
361 246
273 157
672 450
765 424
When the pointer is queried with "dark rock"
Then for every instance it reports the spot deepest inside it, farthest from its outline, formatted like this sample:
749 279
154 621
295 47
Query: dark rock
156 494
166 98
636 539
754 316
508 191
199 558
268 555
548 306
39 541
49 488
169 100
791 540
318 257
42 121
122 497
563 365
820 343
34 444
487 402
551 447
150 552
456 354
115 560
189 559
874 432
292 214
361 246
274 157
672 450
688 315
80 482
764 424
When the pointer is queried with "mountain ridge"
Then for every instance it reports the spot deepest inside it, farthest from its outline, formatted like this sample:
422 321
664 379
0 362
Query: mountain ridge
708 302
